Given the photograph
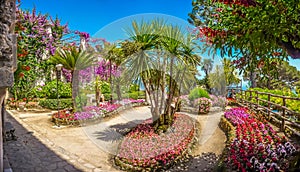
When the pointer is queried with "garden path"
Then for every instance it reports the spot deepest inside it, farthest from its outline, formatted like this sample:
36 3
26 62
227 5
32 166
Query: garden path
87 148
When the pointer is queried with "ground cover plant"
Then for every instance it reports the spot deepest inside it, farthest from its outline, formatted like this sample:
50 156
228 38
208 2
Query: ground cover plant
255 145
143 149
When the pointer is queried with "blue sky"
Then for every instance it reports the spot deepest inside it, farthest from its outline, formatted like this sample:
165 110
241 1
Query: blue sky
108 18
92 15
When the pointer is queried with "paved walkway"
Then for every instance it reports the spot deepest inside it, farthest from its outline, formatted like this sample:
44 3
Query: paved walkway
43 147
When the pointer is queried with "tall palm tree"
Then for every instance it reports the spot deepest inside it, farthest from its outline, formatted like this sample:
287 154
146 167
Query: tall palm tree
155 53
207 66
114 54
74 60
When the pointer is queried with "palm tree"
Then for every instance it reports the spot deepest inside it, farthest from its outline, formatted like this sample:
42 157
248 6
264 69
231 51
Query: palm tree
155 54
114 55
73 59
207 66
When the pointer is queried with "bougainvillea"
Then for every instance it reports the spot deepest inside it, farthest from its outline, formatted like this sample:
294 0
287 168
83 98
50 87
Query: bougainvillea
38 35
105 69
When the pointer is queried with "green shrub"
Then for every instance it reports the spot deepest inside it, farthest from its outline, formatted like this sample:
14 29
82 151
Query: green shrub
105 88
134 95
81 101
133 88
52 103
291 104
49 90
198 93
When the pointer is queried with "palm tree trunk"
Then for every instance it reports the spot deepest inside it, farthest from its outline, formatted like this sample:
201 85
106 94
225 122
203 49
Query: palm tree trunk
75 86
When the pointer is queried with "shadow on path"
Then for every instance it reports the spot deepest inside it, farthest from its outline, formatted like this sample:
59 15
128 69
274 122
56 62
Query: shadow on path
28 154
116 132
205 162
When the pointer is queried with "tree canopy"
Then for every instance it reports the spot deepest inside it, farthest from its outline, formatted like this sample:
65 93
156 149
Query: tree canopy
253 29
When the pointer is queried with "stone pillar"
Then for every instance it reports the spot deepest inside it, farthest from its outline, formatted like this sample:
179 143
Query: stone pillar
7 56
82 43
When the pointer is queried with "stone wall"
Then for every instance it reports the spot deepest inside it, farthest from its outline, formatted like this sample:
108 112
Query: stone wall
7 57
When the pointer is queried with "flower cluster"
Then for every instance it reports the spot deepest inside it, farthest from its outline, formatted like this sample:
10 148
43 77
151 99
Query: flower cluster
64 117
185 101
142 147
130 101
231 101
257 147
67 74
218 101
105 69
204 104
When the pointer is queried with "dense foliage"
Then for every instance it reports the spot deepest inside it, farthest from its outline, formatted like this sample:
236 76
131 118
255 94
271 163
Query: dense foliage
259 28
290 104
38 37
198 93
55 104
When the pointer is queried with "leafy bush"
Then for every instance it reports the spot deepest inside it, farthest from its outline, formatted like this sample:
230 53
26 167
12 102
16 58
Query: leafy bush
134 95
49 90
133 88
81 101
52 103
198 93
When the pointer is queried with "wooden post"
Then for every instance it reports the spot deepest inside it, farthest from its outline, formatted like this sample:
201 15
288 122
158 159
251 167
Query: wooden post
283 114
269 107
256 100
250 99
245 103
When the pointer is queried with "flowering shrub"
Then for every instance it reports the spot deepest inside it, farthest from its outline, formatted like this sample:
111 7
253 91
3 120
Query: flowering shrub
204 105
218 101
143 148
231 101
92 112
129 101
256 146
184 100
64 117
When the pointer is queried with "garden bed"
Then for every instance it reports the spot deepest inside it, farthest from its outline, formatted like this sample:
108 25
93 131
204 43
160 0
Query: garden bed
93 114
144 150
253 145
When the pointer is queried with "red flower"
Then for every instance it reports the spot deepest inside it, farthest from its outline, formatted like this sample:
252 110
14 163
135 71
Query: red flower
21 75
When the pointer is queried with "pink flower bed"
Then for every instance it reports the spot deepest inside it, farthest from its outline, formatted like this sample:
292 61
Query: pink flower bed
129 101
257 147
142 147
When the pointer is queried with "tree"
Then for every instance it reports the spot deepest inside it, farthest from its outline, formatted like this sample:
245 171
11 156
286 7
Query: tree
251 29
115 57
230 72
73 59
276 74
217 81
207 66
159 55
